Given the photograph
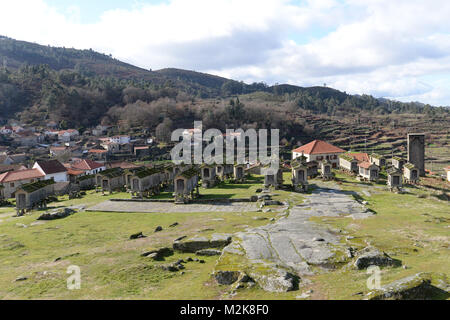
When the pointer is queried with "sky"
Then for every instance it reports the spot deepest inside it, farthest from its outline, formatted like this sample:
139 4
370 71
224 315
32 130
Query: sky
398 49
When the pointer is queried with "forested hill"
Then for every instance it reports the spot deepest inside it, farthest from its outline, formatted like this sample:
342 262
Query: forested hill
82 88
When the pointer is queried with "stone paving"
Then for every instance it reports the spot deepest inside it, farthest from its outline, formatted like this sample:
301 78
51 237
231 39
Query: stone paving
294 242
130 206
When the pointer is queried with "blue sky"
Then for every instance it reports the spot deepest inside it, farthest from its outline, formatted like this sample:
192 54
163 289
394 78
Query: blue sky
395 49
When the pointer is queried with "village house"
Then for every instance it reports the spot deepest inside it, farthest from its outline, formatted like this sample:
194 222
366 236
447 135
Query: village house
110 179
186 185
52 169
410 173
97 154
299 175
7 130
368 171
319 150
398 163
13 180
377 159
27 138
32 195
89 167
394 178
58 151
123 139
68 135
447 171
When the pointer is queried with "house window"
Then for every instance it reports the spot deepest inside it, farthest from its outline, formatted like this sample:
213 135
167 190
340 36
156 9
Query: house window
11 185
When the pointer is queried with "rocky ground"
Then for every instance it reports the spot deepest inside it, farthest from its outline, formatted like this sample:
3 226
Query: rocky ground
293 245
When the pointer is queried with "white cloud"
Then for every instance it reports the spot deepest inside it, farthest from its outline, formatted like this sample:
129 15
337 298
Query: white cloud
381 47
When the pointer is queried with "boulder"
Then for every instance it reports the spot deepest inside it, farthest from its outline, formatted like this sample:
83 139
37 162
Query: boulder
208 252
277 281
192 245
138 235
227 277
373 257
416 287
158 229
158 254
173 225
57 214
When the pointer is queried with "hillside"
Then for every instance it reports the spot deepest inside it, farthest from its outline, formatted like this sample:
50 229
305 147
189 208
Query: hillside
81 88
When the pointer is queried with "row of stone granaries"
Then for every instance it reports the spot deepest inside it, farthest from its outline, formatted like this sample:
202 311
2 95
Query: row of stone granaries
366 167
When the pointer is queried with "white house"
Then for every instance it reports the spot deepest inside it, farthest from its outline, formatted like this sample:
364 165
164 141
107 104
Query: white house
448 173
52 169
319 150
68 135
120 139
6 130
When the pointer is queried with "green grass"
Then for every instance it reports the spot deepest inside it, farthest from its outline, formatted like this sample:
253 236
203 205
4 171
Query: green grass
412 229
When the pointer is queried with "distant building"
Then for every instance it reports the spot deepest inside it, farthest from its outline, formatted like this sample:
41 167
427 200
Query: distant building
319 150
88 166
447 170
379 160
52 169
68 135
394 178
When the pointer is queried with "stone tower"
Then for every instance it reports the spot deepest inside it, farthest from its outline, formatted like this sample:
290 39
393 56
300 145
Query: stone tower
416 151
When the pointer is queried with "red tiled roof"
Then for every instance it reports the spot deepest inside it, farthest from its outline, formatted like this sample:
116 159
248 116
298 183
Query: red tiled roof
51 166
364 164
318 147
359 156
12 167
97 151
86 165
20 175
72 172
123 165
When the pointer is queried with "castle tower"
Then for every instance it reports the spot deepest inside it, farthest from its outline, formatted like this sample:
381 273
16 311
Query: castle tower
416 151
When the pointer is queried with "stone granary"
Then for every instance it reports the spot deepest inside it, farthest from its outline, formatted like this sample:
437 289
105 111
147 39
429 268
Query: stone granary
208 172
410 173
325 169
377 159
110 179
313 169
273 177
167 175
224 171
34 195
299 175
239 172
398 163
394 178
348 163
368 171
186 185
178 168
416 151
143 181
